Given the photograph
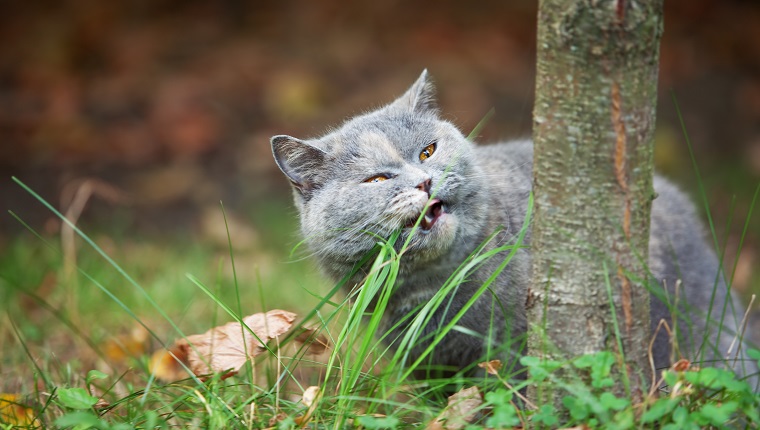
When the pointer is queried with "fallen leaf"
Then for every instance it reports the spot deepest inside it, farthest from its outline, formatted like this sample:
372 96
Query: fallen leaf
280 416
166 367
681 365
492 367
222 349
461 410
133 344
231 345
102 404
13 412
309 399
310 395
314 343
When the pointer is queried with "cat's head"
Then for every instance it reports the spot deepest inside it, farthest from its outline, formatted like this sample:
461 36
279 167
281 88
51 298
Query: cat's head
378 173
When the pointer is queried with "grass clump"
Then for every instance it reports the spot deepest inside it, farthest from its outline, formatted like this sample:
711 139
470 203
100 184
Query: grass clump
358 382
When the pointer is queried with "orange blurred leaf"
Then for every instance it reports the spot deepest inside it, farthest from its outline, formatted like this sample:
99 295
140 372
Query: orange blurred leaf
15 413
222 349
492 367
167 364
681 365
133 344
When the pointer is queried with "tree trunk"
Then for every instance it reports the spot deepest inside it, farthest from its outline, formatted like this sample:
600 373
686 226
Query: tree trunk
594 118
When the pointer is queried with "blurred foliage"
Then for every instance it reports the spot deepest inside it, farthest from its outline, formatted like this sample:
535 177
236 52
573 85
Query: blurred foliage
172 103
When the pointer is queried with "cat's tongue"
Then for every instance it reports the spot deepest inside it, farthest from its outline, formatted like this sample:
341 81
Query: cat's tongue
433 211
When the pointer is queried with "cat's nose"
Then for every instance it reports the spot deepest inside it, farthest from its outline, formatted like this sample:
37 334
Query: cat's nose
425 186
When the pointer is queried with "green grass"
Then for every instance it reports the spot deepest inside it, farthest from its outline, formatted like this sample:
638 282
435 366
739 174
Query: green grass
59 327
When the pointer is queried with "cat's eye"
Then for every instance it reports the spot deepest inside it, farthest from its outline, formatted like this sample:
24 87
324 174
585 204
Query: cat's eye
427 152
376 178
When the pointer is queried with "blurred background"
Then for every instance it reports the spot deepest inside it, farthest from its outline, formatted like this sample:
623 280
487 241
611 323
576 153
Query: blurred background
137 118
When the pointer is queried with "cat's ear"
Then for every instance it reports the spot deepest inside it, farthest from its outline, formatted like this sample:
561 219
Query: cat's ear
419 98
300 162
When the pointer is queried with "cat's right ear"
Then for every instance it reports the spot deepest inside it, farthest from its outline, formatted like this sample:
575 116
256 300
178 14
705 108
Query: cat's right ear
299 161
419 98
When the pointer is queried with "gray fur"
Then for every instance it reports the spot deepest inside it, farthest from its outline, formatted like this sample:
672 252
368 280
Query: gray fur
484 188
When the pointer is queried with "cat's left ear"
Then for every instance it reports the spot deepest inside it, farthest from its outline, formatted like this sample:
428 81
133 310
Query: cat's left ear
419 98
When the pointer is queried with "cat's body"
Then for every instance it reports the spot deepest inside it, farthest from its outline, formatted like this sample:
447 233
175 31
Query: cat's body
376 174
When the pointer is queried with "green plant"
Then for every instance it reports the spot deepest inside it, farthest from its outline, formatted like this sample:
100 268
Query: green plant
363 382
704 397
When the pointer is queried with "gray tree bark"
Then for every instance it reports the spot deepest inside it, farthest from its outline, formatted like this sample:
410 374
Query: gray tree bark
594 119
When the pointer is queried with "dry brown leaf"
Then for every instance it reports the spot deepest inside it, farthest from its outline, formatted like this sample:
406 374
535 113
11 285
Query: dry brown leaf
309 399
681 365
276 419
460 411
223 348
310 395
314 343
101 404
492 367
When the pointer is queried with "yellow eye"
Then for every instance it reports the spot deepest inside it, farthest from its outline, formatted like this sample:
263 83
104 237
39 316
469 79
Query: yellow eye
427 152
378 178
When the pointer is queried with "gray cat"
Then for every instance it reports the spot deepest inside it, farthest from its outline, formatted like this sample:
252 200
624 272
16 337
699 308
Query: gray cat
376 174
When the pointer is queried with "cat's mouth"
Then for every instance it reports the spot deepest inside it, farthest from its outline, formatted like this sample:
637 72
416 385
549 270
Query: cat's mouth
433 211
